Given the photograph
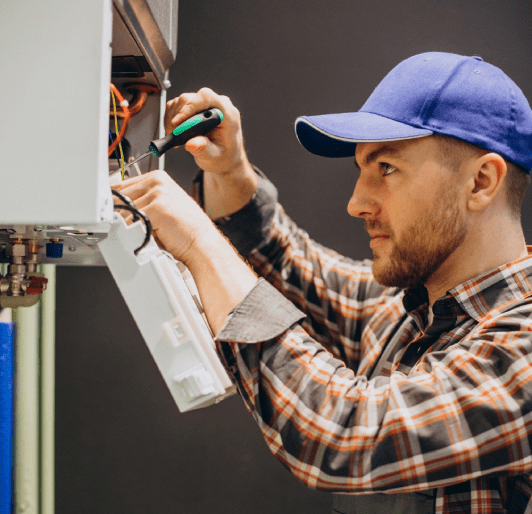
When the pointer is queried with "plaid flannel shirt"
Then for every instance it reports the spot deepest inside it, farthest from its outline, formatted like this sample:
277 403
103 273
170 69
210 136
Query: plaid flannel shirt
450 409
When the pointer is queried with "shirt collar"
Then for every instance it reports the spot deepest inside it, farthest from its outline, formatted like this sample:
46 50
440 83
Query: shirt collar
496 289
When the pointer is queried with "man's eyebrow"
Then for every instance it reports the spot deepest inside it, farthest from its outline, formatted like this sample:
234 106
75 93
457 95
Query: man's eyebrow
379 152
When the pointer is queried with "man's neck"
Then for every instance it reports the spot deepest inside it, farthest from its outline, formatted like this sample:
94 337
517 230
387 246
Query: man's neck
480 252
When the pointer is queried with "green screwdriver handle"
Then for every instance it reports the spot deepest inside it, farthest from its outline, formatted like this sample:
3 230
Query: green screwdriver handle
199 125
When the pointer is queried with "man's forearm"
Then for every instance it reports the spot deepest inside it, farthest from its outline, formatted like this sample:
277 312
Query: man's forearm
223 279
226 193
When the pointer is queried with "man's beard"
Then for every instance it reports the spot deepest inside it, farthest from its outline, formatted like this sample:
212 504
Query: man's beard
423 247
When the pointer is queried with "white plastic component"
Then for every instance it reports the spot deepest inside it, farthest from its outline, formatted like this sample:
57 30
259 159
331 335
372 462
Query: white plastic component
59 174
196 383
175 332
169 318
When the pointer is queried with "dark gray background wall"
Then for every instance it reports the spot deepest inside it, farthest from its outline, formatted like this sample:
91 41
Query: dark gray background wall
122 446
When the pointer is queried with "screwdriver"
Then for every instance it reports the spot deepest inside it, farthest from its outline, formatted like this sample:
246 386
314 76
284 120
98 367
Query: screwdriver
198 125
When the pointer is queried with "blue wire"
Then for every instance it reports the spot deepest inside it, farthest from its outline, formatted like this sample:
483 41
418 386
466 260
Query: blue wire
116 148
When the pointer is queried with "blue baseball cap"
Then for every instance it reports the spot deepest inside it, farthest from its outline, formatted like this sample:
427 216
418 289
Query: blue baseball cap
435 92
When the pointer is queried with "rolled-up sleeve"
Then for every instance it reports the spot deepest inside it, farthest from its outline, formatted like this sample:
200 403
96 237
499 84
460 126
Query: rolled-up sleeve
263 315
248 227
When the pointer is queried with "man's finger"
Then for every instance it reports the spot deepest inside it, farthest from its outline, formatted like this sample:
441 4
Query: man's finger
145 177
173 107
204 99
197 145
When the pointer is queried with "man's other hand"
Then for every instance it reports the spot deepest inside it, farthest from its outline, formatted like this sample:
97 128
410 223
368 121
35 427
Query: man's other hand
184 230
178 222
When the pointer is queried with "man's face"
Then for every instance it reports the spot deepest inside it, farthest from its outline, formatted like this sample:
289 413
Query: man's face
411 206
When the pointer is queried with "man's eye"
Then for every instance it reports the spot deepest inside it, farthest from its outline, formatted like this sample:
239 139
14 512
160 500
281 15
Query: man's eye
386 168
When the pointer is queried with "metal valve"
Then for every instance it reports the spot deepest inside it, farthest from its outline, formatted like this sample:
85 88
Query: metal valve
23 284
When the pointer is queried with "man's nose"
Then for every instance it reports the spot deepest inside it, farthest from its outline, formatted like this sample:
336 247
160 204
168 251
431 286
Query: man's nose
362 203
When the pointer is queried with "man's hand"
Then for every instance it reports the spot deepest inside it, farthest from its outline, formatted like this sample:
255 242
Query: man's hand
229 181
181 226
178 222
220 151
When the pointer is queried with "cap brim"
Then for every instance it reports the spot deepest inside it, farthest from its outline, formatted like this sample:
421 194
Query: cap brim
336 135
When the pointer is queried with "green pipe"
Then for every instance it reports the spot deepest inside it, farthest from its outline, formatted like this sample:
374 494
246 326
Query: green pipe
48 391
26 418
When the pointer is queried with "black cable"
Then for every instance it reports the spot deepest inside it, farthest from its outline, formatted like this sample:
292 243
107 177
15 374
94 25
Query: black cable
146 220
127 201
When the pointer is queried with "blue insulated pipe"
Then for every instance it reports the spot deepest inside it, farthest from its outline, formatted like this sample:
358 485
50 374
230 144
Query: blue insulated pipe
6 413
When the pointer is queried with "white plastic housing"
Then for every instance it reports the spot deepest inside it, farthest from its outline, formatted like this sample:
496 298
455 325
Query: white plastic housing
168 316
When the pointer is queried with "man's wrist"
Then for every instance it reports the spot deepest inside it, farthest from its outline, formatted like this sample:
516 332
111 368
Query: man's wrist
241 171
225 193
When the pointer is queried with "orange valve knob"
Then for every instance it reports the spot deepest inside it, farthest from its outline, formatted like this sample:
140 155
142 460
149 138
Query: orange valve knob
37 285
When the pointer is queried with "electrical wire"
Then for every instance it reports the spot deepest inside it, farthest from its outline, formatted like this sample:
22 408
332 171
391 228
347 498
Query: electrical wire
117 157
129 206
121 161
124 105
146 222
140 94
126 201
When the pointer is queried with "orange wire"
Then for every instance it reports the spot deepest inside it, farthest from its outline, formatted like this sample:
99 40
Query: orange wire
127 117
140 95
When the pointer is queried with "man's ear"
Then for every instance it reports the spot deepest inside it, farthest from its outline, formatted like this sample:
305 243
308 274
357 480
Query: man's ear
487 174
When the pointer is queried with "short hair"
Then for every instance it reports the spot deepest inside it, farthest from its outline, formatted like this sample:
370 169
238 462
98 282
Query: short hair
455 151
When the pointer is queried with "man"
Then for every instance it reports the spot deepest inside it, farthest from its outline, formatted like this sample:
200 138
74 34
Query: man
406 382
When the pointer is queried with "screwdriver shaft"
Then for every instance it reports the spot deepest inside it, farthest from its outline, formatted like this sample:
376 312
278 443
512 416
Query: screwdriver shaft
137 160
